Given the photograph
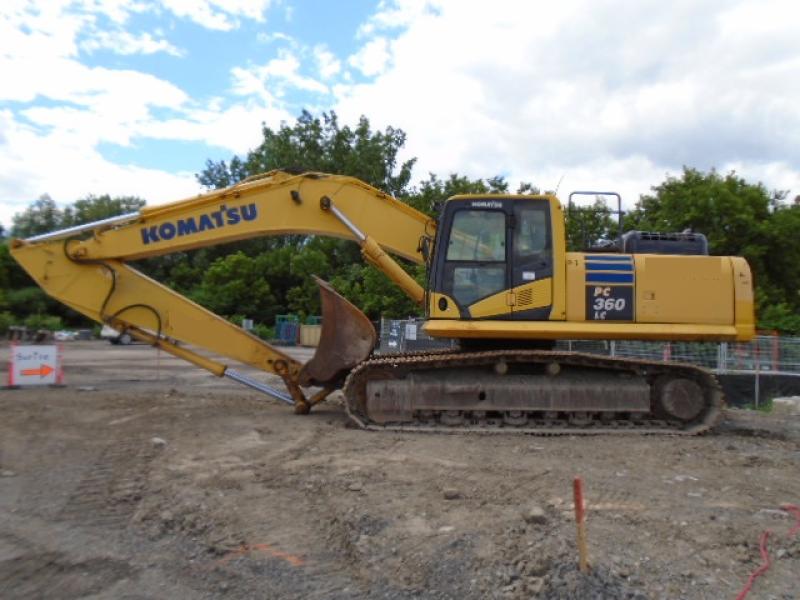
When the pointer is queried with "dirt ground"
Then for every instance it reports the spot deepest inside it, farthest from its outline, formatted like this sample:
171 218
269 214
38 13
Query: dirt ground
145 477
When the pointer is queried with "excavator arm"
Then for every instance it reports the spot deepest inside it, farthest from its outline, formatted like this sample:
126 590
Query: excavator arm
85 268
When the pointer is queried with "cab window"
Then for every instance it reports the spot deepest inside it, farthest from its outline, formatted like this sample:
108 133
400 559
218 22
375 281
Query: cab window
530 234
478 235
532 256
476 255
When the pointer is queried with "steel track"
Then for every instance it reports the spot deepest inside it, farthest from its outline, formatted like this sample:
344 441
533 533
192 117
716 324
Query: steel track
403 364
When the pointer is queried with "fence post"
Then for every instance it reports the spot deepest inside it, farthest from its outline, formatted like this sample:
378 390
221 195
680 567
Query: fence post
776 351
758 368
612 348
722 356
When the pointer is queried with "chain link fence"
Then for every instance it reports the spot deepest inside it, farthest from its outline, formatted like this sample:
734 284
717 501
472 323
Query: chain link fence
406 335
751 373
765 353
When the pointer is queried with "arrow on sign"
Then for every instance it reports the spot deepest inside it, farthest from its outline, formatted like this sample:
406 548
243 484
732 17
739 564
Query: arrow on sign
42 371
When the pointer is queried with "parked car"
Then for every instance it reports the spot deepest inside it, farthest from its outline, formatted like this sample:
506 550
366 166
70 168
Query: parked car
65 336
115 337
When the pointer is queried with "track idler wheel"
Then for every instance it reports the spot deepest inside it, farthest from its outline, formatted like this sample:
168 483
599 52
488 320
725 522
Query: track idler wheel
679 398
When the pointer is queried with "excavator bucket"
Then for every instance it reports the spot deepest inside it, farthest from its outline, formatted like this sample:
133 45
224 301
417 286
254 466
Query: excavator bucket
347 338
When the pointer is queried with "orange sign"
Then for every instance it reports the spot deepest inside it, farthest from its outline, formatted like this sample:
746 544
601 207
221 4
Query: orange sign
42 371
35 365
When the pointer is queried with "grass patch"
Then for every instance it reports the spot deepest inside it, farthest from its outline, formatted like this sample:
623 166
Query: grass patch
765 406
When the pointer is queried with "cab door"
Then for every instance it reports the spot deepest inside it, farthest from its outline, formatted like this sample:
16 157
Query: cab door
531 258
471 268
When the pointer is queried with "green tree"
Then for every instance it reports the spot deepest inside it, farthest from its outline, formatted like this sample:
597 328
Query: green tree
18 292
236 285
780 317
311 259
314 144
95 208
731 212
587 226
42 216
321 144
527 187
739 219
11 274
781 268
374 294
6 321
432 192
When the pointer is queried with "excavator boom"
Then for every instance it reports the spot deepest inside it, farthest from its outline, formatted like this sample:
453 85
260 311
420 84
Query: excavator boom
86 268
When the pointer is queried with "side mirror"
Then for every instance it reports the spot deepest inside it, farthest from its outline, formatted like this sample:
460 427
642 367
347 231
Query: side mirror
424 248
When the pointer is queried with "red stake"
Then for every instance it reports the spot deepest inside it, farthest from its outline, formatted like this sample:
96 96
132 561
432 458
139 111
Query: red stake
580 520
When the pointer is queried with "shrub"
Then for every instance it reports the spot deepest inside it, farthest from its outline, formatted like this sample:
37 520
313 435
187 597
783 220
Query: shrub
6 321
264 331
49 322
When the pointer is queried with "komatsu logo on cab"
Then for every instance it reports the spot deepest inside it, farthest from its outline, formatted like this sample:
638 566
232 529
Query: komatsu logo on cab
486 204
214 220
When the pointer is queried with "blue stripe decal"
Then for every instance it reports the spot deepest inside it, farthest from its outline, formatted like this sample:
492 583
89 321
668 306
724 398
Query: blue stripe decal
609 266
611 257
609 278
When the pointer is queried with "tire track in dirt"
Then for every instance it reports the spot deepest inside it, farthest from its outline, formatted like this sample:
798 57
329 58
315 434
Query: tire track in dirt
34 573
110 491
319 543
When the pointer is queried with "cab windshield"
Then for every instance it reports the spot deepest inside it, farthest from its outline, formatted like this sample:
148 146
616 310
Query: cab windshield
478 235
476 253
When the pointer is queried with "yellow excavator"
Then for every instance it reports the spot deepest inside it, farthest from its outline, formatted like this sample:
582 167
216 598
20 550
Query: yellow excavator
500 281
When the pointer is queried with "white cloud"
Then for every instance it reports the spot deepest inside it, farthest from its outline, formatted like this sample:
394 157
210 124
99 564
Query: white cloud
222 15
529 89
59 29
327 63
70 81
398 14
591 90
118 11
56 151
373 58
235 128
68 167
122 42
273 79
51 145
28 31
52 27
274 36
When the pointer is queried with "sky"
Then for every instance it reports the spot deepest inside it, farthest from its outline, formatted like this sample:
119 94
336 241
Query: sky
131 97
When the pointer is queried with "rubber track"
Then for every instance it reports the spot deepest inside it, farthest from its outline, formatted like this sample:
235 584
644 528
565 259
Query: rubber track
355 387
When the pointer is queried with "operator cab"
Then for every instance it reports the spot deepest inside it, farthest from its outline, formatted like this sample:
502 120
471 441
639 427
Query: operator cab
493 259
